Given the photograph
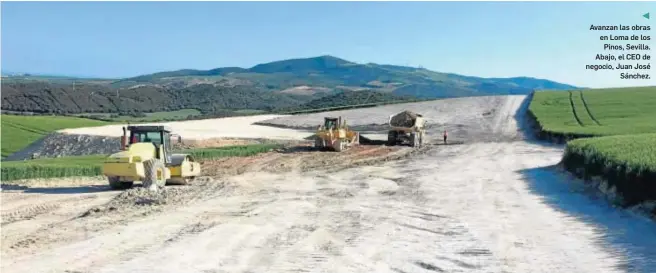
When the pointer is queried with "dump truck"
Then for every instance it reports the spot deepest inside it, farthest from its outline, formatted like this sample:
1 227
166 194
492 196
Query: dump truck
335 135
147 156
406 127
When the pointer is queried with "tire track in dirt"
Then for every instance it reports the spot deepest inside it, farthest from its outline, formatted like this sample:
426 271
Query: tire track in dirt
278 229
215 215
17 236
130 206
571 102
500 208
231 213
29 212
107 229
34 208
130 216
424 228
118 209
587 109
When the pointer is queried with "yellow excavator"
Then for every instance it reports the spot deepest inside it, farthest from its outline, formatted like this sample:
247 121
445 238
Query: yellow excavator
146 156
334 134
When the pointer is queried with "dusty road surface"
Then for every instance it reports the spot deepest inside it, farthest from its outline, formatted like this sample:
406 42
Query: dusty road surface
486 206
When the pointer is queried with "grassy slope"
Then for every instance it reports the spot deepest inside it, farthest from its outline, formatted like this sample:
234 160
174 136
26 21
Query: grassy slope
627 162
618 111
19 131
91 165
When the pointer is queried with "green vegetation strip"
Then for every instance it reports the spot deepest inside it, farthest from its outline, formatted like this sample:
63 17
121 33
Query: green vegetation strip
20 131
602 112
620 126
587 109
231 151
627 162
576 116
52 167
91 165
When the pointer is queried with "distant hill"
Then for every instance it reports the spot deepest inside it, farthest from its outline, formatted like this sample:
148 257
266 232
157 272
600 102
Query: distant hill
57 98
270 86
331 72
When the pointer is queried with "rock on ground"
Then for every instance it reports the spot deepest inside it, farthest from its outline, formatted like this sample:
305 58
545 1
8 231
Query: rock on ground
58 145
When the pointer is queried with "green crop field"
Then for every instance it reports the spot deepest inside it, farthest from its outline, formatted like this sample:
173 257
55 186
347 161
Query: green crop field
609 111
626 161
638 152
52 167
91 165
17 132
622 122
241 150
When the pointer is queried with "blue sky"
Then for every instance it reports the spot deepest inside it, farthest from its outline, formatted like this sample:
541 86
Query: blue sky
119 39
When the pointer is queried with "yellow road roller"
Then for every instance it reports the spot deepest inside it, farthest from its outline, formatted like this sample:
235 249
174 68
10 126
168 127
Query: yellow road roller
146 156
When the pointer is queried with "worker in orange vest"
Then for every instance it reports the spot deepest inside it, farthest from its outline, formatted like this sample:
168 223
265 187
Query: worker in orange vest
445 134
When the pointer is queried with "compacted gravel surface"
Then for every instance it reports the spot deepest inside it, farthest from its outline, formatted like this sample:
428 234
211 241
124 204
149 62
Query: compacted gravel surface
496 203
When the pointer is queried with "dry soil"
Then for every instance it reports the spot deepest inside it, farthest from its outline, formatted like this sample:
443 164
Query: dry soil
493 204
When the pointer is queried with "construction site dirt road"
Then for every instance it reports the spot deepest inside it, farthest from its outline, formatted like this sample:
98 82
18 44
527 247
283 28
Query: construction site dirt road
493 204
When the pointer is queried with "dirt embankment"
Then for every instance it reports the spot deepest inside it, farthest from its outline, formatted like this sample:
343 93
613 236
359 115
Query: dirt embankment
58 145
304 158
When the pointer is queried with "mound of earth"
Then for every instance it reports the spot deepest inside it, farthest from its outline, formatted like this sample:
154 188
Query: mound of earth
404 119
58 145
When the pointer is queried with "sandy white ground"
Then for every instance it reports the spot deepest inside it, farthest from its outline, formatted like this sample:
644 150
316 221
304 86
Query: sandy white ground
479 207
446 111
231 127
473 119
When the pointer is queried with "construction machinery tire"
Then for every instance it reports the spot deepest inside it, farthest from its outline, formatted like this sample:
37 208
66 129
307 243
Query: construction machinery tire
421 138
413 139
155 174
339 145
318 143
391 138
180 181
116 184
